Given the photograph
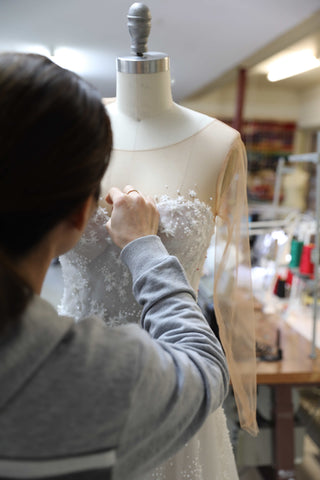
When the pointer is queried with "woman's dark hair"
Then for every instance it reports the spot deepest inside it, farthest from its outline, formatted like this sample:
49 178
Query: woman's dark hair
55 144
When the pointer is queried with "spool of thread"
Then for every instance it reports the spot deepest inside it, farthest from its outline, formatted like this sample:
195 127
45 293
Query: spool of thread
280 287
296 251
289 278
281 290
306 265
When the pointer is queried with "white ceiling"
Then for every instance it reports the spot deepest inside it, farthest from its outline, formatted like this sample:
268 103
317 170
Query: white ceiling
204 38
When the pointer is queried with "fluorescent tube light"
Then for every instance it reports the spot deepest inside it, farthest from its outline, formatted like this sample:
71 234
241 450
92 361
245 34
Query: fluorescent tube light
292 64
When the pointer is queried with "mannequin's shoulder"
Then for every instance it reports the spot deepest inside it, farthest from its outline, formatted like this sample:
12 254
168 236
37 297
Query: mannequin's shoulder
227 131
211 126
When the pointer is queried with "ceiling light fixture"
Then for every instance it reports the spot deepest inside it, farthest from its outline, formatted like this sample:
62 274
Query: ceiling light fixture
293 64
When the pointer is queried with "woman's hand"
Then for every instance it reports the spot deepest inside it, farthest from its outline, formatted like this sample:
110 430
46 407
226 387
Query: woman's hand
134 215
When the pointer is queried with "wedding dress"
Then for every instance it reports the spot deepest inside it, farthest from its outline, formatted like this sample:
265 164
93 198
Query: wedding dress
98 282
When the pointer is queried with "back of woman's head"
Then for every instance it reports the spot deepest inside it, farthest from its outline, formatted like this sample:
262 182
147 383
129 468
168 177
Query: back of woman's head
55 143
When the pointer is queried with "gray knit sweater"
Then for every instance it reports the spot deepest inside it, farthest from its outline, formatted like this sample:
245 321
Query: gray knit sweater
84 400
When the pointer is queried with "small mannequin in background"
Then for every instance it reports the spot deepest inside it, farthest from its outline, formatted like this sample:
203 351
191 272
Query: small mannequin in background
296 187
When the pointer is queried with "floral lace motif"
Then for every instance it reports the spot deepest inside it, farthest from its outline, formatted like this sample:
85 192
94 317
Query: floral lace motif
98 283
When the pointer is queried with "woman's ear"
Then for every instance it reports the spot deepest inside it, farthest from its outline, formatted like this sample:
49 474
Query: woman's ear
80 216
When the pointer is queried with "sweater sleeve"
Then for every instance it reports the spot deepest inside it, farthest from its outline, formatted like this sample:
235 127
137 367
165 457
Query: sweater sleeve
183 375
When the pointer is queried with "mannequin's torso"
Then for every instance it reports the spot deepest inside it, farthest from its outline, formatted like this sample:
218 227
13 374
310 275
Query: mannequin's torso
161 147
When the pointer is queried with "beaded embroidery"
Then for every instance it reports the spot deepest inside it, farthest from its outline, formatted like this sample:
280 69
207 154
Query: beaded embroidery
98 283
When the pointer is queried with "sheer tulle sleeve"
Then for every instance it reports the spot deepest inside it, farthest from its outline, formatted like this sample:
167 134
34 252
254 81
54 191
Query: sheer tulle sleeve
233 300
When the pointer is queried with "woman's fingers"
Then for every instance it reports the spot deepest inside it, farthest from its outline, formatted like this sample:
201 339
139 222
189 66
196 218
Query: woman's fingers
133 215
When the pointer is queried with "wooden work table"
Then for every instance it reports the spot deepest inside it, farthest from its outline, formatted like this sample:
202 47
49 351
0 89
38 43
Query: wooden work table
296 365
296 368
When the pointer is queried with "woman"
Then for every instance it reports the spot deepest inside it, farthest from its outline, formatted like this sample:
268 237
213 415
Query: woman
83 400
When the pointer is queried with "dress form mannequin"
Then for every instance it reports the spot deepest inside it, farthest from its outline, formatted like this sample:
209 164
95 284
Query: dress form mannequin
163 148
195 168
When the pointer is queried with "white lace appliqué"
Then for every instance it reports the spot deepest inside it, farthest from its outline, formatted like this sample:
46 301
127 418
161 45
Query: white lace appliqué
97 282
